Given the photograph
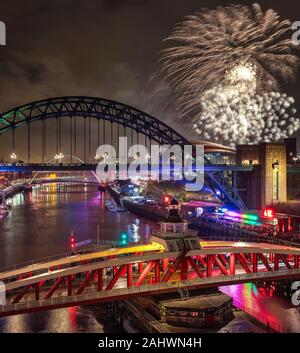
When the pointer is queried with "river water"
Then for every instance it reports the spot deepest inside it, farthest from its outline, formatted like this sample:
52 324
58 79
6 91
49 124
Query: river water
39 225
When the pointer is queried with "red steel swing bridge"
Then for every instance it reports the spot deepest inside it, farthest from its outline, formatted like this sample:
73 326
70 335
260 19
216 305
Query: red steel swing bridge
141 270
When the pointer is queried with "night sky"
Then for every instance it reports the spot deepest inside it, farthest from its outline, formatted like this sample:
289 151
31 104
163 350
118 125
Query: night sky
103 48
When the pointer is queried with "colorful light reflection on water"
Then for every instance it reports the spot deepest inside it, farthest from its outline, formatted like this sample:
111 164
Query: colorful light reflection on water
274 311
39 225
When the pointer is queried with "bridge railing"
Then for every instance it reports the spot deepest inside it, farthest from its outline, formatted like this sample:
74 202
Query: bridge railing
251 240
102 245
116 294
248 239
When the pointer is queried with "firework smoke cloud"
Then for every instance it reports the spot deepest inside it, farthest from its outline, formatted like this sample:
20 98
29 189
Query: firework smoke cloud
225 71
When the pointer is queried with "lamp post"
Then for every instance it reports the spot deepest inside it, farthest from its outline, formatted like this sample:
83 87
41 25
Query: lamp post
226 159
59 157
97 158
13 157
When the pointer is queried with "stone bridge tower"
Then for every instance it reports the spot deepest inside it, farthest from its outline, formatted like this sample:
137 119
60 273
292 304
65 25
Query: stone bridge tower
266 184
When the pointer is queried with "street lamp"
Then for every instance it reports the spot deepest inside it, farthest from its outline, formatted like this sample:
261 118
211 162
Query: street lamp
59 157
226 159
13 157
97 158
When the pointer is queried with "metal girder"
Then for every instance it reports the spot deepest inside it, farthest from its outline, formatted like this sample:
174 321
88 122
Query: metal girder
144 273
21 295
265 261
85 283
228 194
195 267
115 112
182 266
54 287
95 108
243 261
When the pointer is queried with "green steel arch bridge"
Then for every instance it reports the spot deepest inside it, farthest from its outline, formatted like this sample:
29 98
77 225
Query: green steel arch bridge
89 122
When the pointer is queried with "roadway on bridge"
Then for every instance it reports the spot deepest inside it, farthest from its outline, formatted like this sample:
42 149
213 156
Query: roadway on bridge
39 276
146 252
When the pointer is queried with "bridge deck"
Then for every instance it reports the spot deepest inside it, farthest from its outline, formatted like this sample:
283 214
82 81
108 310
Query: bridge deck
207 247
144 290
121 272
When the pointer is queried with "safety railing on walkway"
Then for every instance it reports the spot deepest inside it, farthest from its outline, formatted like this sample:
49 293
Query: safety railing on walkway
116 294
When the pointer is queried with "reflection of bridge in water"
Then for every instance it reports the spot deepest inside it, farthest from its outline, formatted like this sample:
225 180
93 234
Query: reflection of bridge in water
141 270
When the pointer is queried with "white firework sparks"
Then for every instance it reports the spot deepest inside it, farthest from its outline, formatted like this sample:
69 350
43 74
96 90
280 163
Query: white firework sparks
232 117
225 69
243 75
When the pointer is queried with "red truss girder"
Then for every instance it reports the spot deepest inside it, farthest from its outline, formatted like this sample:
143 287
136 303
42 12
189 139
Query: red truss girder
195 267
219 263
119 273
162 270
20 296
144 273
85 283
173 268
243 261
284 259
264 260
57 283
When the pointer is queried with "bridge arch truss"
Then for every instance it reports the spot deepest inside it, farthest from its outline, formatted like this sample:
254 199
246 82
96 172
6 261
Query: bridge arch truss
106 111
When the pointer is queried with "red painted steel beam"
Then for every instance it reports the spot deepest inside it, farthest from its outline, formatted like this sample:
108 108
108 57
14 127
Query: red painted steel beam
276 262
54 287
100 280
296 261
70 280
157 271
243 261
165 264
129 275
209 265
220 265
264 260
172 269
202 261
37 291
254 261
183 269
85 283
223 259
195 267
21 295
141 267
144 273
119 273
285 261
232 264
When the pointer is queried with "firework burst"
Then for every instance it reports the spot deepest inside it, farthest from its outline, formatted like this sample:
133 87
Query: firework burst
225 72
211 42
232 117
